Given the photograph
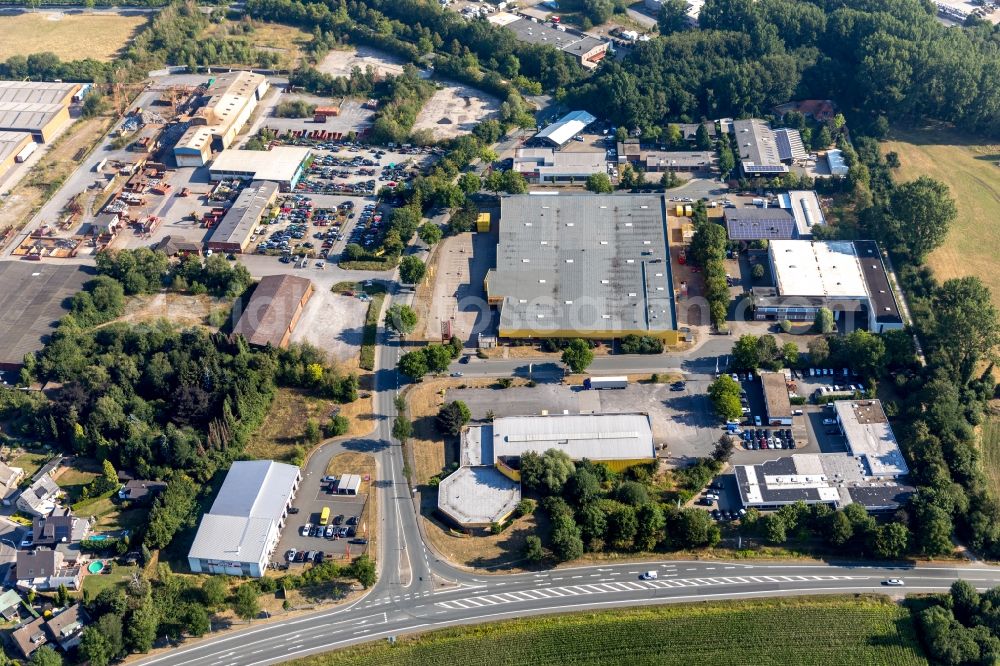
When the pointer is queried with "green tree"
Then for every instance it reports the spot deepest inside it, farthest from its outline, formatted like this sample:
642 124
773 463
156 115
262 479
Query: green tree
650 525
195 620
411 270
891 541
452 416
533 551
632 493
172 511
430 233
600 182
773 528
363 570
400 318
623 525
438 357
46 656
839 529
62 596
790 354
822 139
214 592
696 529
413 364
923 210
402 429
246 601
566 542
702 139
140 629
758 272
819 351
672 18
727 161
469 183
725 395
824 321
95 646
312 433
582 487
337 426
746 353
577 356
966 329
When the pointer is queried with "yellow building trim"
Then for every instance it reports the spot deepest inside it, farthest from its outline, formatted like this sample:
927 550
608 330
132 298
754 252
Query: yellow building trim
668 337
509 472
483 223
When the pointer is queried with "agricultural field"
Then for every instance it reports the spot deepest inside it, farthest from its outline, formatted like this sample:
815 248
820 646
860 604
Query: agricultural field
71 37
971 171
827 630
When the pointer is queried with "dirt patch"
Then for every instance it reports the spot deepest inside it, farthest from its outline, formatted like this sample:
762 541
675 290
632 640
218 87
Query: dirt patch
181 309
503 551
280 436
341 62
363 464
455 110
71 37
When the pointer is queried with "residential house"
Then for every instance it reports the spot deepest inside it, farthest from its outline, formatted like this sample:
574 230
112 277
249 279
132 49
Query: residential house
30 636
60 530
67 627
9 478
10 605
141 490
38 499
45 570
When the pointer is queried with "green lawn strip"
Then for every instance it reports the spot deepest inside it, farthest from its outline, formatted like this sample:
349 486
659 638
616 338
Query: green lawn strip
991 448
815 630
371 330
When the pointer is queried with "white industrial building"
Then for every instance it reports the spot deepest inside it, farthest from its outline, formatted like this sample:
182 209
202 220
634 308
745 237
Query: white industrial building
283 165
847 277
240 532
545 166
563 130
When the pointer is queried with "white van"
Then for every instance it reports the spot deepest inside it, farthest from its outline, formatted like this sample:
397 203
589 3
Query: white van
649 575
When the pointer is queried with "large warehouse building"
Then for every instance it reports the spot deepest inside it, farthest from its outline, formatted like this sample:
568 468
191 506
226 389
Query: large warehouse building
869 473
237 536
848 277
274 310
588 50
233 98
32 300
283 165
486 488
561 131
38 108
13 144
234 231
583 265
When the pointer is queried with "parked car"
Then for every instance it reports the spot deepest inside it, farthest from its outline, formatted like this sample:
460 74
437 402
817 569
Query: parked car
329 531
829 422
293 509
290 555
305 529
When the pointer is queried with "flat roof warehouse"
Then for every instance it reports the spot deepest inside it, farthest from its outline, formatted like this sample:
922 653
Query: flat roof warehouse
588 265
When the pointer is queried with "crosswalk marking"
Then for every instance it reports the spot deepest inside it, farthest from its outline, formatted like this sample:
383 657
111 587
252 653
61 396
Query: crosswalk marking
620 587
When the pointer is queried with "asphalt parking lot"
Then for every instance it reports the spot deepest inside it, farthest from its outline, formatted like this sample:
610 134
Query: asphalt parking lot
348 506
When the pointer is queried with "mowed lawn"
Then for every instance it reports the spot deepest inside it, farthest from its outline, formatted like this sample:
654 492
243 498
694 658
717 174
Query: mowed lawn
990 435
801 631
970 170
71 37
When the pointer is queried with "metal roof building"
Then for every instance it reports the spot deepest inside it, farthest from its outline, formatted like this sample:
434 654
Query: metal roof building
274 309
869 436
38 107
804 207
759 154
234 231
583 265
597 437
587 49
233 96
547 166
564 129
282 164
239 533
789 142
835 159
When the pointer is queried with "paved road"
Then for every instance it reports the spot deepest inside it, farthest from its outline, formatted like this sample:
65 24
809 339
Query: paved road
393 609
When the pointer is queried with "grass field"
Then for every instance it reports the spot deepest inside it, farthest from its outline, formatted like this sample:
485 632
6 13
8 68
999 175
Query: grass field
287 41
991 448
970 170
827 630
71 37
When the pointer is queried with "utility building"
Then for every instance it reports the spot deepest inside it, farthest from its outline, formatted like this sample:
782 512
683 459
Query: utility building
234 231
283 165
232 99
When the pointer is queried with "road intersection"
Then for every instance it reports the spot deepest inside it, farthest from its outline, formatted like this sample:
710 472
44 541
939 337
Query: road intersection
418 591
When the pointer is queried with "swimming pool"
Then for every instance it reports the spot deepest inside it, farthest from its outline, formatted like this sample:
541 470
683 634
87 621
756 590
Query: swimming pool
99 537
95 567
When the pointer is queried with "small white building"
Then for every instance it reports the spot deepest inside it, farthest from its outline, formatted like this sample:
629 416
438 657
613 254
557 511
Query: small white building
39 499
240 532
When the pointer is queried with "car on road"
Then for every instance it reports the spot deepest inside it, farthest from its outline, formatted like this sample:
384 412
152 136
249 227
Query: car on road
895 582
649 575
677 386
456 374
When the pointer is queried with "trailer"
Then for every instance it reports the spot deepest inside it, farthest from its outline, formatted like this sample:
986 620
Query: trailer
25 152
598 383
